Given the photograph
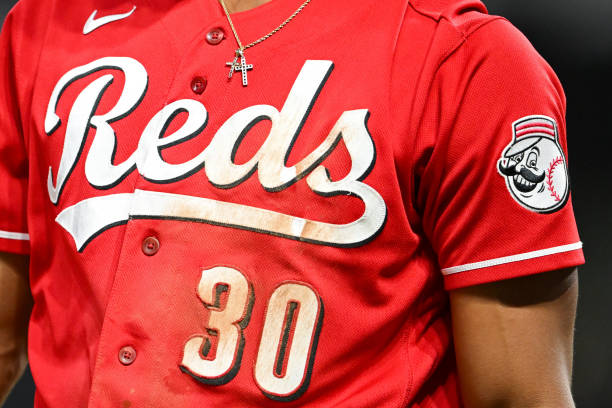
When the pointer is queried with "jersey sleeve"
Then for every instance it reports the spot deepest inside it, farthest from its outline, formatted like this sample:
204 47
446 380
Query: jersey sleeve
495 191
14 235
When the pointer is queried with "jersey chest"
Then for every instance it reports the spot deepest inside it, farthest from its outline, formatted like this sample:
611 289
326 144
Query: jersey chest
245 223
306 151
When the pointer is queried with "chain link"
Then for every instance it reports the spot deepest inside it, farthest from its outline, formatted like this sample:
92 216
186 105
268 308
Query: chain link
265 37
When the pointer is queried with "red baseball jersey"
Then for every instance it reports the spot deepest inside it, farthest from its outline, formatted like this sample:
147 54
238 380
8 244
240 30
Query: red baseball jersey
286 240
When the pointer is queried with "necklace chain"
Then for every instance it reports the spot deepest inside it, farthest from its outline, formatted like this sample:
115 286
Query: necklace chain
265 37
239 62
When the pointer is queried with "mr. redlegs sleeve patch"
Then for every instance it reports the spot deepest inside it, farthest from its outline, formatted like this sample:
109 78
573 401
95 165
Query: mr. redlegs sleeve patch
534 165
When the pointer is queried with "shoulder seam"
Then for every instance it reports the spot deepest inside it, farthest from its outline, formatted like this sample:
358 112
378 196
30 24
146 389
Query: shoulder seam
464 37
482 24
36 73
437 18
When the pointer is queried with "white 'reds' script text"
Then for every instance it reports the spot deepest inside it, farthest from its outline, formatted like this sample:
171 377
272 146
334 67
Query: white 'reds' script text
87 218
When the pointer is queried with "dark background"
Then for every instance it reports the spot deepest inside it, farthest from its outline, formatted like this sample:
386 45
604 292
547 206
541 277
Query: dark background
576 39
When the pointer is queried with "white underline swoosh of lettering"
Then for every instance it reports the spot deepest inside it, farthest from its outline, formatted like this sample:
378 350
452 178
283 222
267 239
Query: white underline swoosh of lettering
88 218
93 23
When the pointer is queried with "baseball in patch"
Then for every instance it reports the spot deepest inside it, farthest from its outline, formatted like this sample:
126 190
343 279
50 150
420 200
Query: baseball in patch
534 165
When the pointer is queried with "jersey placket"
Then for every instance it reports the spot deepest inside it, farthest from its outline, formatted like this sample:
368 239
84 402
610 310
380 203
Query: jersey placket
124 338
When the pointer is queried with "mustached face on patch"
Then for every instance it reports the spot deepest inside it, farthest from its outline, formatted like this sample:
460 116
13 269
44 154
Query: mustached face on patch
524 171
533 165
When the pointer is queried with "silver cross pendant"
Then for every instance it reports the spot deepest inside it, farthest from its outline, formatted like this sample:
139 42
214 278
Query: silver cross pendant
239 66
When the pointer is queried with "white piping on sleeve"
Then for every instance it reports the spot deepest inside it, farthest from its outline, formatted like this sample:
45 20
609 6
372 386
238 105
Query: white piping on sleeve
512 258
18 236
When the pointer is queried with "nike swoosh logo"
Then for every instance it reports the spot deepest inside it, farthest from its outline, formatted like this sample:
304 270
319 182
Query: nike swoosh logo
94 23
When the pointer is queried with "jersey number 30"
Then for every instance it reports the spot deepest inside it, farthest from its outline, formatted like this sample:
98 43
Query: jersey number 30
289 338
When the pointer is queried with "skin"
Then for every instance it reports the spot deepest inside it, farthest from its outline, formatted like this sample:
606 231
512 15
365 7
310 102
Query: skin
236 6
15 308
513 339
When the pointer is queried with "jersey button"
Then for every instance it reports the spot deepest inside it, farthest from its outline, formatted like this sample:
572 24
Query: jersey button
150 246
198 85
127 355
215 36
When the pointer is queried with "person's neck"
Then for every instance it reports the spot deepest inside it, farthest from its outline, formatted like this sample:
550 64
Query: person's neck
235 6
